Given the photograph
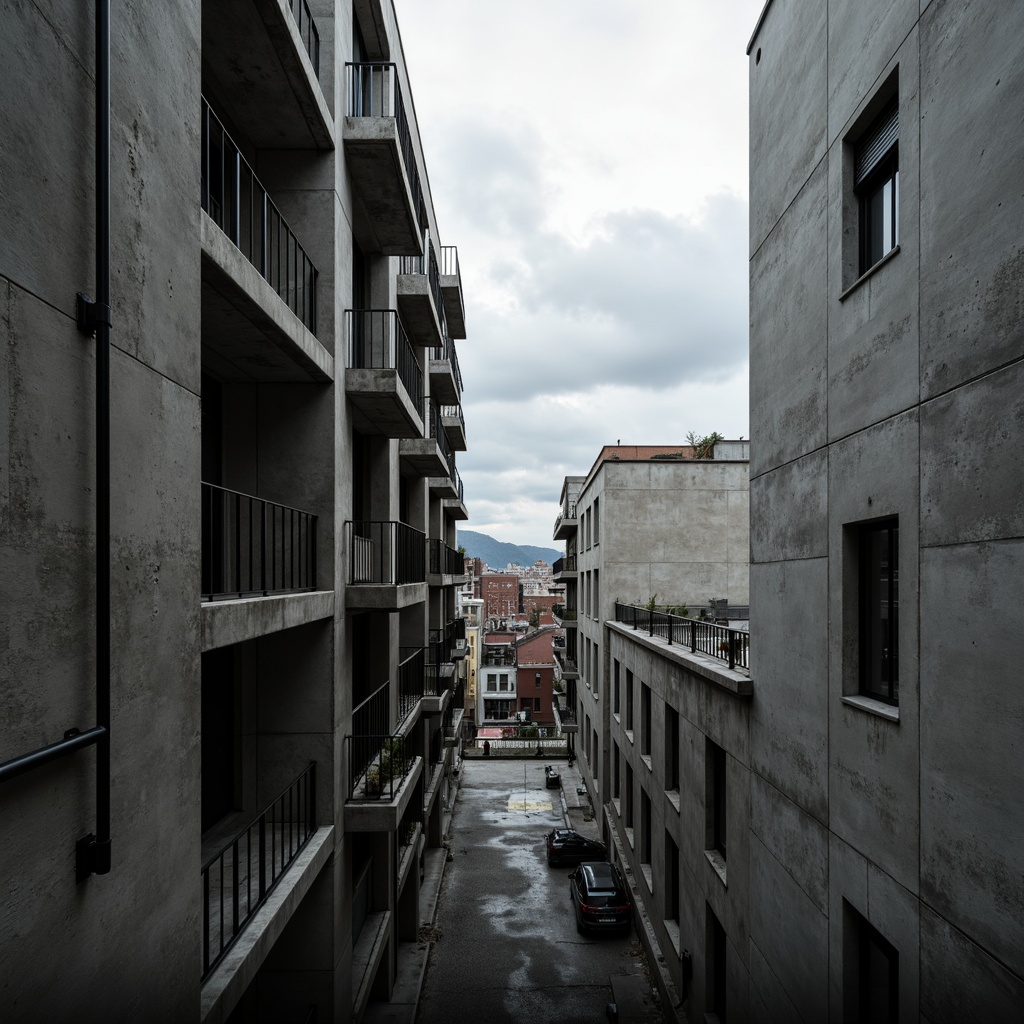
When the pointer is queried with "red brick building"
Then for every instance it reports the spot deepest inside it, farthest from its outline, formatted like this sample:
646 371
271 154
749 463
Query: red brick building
500 594
535 674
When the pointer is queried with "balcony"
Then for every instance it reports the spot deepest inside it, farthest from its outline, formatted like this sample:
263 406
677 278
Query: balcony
240 876
259 297
445 564
382 161
564 569
565 663
455 426
386 566
566 524
382 772
383 378
455 507
453 726
565 718
253 547
722 643
451 289
262 60
411 676
419 299
564 616
429 453
445 376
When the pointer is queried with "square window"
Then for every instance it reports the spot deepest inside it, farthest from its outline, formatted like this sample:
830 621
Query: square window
878 610
876 184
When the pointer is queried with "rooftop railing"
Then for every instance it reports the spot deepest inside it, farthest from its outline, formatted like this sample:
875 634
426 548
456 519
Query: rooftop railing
307 31
241 207
389 553
376 340
427 265
254 547
723 642
237 880
374 91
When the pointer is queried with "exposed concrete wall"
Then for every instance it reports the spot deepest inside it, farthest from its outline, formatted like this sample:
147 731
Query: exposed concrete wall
899 394
87 933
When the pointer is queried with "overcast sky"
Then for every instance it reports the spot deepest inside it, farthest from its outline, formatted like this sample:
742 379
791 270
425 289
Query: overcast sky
589 160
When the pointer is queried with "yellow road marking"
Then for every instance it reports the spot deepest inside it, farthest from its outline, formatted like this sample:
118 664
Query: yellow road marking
529 805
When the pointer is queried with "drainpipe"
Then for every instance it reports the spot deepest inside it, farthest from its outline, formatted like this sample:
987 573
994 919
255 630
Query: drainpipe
93 850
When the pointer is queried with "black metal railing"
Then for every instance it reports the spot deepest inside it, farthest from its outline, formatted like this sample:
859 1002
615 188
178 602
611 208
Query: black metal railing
457 480
723 642
436 431
374 91
454 412
563 612
237 880
385 552
450 262
427 265
254 547
307 31
445 560
568 512
410 680
241 207
377 764
376 340
565 564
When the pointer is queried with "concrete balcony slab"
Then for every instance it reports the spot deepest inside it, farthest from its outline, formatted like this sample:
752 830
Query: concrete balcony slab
423 456
381 404
381 185
249 333
384 597
416 305
382 814
224 623
454 308
443 386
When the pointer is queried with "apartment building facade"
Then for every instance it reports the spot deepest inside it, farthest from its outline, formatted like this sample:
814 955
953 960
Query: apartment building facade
886 369
262 624
652 525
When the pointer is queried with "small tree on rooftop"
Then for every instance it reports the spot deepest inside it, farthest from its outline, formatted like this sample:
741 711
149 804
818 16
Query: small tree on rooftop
703 446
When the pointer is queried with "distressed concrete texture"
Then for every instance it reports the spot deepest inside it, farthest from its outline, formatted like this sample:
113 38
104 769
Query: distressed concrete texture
972 461
787 112
789 662
971 843
972 206
960 981
791 933
792 837
862 39
788 331
789 510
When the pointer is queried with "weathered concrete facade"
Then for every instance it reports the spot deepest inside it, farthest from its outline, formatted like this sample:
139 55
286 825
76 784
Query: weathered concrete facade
887 393
285 411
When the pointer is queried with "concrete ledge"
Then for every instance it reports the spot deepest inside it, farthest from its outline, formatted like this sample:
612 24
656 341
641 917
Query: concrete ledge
230 622
378 814
226 985
739 684
366 957
385 597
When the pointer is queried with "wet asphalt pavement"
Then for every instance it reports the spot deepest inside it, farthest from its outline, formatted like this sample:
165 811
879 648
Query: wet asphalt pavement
506 947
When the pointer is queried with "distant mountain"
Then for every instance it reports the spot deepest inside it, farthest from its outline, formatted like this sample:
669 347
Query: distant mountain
497 554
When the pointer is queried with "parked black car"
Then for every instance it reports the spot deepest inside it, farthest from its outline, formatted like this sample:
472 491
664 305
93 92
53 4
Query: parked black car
600 898
567 846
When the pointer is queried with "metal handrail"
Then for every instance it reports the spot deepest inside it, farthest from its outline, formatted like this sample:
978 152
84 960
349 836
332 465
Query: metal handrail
722 642
435 430
271 841
450 262
307 31
410 680
378 765
374 91
375 339
386 552
445 352
251 546
241 207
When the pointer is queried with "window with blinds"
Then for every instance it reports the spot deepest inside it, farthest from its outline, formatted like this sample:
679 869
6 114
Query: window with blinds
877 186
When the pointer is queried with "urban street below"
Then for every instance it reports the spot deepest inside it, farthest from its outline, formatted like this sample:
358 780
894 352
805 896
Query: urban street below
505 946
